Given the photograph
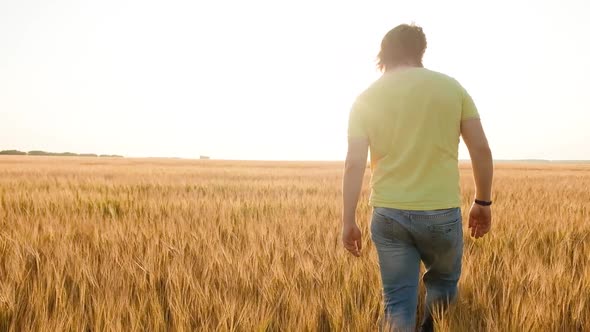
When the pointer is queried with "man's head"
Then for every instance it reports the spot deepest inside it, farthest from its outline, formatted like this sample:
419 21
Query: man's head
403 45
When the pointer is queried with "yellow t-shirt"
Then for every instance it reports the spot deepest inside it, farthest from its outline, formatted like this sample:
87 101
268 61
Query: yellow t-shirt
412 118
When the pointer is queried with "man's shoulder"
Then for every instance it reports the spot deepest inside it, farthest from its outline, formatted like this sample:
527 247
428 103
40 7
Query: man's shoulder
385 84
368 94
374 91
441 76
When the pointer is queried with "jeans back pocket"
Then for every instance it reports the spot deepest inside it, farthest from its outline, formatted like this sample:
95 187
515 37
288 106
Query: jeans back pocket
442 227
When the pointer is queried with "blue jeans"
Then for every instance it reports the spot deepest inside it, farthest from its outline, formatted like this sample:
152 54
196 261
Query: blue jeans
403 238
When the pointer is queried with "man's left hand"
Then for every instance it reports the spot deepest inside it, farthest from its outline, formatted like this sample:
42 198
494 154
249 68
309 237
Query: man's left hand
351 238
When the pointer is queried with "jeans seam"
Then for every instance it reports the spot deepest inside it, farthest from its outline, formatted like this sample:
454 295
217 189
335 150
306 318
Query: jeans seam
434 216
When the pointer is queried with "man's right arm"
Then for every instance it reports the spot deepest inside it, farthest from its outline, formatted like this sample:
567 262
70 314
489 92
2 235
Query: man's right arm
480 217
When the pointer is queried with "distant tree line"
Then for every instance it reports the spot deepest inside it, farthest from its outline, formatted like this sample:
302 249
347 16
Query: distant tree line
62 154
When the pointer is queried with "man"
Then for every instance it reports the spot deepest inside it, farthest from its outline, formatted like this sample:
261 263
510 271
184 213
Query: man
411 119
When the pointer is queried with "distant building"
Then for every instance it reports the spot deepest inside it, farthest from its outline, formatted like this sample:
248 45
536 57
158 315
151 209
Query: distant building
204 157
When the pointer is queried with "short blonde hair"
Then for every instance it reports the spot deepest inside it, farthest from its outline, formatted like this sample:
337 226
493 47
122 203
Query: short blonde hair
403 43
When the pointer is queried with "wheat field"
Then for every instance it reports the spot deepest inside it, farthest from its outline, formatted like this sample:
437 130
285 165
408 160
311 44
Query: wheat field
93 244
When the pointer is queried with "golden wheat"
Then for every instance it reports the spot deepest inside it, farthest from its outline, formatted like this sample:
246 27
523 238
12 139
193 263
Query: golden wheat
134 245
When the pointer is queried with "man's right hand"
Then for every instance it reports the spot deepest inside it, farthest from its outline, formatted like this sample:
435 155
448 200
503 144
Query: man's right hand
480 220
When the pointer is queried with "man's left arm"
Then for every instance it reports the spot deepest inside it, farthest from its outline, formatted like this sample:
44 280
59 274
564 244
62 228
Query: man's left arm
354 171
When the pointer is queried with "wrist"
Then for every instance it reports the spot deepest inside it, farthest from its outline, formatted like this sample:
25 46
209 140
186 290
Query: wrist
482 202
348 222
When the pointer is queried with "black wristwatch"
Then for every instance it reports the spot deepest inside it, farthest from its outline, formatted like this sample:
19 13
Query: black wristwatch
483 203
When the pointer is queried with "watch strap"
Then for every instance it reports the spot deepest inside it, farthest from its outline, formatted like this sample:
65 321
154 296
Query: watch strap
483 203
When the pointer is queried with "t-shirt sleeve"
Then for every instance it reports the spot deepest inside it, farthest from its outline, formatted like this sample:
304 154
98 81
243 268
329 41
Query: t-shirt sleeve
469 111
356 122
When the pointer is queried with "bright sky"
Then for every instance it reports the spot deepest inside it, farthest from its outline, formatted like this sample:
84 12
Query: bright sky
275 79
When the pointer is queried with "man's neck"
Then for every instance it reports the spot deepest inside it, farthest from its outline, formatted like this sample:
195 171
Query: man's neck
403 66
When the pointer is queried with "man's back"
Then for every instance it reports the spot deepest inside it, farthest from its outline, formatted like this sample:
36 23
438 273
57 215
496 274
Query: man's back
412 118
